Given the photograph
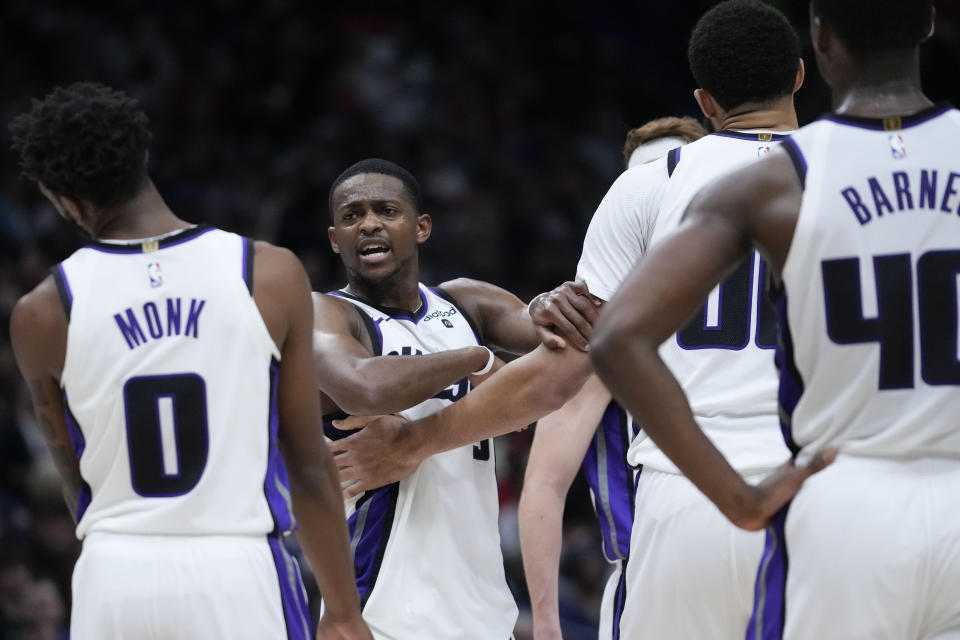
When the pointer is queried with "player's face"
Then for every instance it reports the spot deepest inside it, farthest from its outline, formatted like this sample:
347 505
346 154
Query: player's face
376 228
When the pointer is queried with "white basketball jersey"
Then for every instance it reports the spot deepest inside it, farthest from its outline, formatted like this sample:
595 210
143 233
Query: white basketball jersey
169 388
427 549
869 316
723 358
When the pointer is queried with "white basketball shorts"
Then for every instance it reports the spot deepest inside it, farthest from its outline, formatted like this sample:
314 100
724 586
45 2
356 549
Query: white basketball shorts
186 587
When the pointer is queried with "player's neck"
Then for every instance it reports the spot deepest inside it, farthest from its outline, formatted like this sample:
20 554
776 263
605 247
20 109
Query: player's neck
399 290
886 85
775 116
145 216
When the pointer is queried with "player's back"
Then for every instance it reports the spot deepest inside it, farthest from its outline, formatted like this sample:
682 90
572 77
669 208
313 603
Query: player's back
869 316
169 383
724 357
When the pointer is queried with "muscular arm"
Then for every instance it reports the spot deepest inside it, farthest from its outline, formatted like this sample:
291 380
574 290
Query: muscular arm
282 293
530 387
363 384
559 445
38 333
500 316
664 290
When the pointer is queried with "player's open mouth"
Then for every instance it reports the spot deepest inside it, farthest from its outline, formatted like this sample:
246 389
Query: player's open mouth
373 251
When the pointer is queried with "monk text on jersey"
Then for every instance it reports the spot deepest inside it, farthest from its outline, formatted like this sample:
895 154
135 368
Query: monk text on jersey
161 319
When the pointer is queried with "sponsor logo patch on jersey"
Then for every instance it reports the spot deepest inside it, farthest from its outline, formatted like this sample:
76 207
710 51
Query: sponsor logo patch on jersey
156 277
446 323
897 147
440 313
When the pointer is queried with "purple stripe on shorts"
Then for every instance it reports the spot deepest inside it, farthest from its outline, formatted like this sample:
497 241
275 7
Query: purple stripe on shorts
613 492
79 443
769 598
276 483
620 599
293 597
369 529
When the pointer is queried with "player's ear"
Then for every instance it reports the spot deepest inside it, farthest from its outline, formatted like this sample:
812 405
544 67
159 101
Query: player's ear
333 240
820 35
708 104
68 207
801 74
424 227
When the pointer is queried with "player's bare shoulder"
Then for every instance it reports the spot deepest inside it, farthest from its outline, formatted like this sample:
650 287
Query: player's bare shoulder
279 286
38 328
333 315
760 201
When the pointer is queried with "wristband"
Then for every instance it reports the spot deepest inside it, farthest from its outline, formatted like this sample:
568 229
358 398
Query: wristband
486 367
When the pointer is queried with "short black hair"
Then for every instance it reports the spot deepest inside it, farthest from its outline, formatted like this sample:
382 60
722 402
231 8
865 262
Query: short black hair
744 51
383 167
85 141
866 26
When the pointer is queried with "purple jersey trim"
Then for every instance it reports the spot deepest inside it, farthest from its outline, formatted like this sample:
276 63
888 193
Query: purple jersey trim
769 599
67 291
276 482
84 495
393 312
248 253
445 295
753 137
791 382
799 161
880 124
136 246
293 599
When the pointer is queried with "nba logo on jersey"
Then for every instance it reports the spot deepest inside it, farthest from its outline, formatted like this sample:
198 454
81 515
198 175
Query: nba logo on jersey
897 147
762 151
156 278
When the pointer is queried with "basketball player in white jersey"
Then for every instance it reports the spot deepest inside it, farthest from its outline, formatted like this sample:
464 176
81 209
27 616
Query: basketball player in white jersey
168 365
689 573
427 548
857 215
595 433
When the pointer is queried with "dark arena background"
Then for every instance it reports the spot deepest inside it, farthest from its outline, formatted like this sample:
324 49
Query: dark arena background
511 114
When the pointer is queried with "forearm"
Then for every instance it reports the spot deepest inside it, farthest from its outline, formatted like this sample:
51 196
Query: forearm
323 536
632 370
522 392
388 384
541 534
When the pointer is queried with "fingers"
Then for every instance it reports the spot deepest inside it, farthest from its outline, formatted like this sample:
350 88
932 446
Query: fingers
585 308
569 323
575 317
351 423
550 340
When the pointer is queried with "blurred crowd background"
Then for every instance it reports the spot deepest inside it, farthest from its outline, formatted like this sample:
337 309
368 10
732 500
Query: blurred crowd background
511 114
